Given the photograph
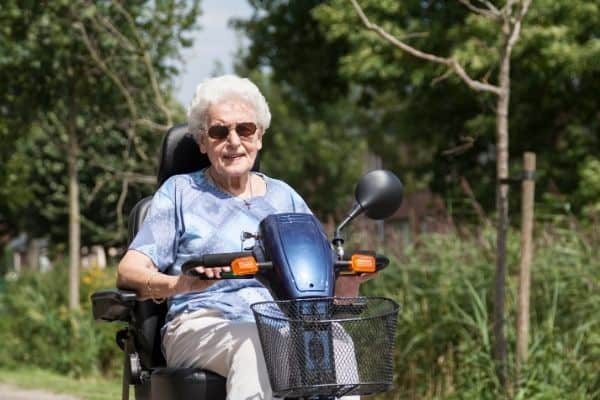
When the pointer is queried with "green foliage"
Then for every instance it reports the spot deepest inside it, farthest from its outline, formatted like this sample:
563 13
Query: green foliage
285 38
321 158
103 71
37 329
314 142
412 111
589 185
444 329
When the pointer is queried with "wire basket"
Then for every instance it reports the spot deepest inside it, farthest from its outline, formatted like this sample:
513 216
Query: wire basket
328 346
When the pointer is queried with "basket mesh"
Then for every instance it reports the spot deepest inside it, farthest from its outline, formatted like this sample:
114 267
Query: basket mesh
328 346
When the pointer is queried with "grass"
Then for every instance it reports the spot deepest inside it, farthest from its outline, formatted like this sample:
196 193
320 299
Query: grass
89 388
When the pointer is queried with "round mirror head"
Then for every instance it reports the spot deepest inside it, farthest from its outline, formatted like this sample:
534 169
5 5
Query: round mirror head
379 194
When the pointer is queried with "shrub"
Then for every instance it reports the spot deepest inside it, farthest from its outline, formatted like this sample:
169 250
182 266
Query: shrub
37 329
444 286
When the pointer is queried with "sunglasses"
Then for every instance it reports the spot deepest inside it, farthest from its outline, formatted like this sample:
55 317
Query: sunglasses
245 130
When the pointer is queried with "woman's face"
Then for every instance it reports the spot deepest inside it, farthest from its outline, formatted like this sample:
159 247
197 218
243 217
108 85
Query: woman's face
234 155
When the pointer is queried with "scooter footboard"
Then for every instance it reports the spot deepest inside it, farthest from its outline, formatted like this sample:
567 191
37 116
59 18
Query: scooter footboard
328 346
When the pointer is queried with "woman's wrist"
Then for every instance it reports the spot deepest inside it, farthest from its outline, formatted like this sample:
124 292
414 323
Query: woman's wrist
154 286
346 287
182 284
186 283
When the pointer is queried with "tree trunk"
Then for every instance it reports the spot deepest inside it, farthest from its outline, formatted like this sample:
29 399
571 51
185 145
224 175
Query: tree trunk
502 223
74 214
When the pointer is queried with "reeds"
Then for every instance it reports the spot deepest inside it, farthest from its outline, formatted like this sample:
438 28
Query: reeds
444 286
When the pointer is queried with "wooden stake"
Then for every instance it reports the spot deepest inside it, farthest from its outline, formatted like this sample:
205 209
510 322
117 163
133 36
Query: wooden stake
527 202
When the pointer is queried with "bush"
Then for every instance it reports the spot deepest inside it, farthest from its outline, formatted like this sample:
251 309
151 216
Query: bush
444 286
37 329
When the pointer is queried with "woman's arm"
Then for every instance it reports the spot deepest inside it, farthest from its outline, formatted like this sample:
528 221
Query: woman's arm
137 272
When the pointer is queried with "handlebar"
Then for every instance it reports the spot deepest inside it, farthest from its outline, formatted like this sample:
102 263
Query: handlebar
244 265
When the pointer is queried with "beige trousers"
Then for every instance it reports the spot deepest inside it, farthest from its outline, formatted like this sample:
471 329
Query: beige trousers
203 339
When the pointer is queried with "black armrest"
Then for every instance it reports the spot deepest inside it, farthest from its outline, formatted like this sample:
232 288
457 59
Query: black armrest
113 304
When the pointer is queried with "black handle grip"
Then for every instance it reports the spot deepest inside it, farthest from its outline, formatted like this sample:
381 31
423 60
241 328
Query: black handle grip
212 260
381 261
223 259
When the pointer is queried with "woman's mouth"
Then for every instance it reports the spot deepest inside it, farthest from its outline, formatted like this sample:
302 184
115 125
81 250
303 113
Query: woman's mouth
232 157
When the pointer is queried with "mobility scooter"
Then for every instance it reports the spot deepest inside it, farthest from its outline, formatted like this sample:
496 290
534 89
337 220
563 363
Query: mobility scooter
316 346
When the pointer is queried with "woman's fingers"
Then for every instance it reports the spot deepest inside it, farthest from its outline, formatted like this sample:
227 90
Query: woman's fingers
367 276
217 271
213 272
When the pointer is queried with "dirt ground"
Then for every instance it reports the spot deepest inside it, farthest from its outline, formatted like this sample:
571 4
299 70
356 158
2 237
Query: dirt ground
10 392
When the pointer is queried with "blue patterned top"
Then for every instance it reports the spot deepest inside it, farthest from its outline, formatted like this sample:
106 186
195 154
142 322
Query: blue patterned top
189 216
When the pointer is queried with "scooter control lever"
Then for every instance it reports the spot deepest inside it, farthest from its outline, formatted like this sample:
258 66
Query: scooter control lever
245 236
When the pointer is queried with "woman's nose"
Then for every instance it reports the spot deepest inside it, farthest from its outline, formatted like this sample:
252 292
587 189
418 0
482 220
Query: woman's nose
233 137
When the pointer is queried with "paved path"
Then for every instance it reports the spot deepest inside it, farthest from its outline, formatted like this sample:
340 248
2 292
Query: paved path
10 392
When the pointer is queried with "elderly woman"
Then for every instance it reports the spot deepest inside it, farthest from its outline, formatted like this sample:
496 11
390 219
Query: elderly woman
209 323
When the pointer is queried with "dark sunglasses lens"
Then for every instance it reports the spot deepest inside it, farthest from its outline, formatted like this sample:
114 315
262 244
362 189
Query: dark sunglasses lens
218 131
245 129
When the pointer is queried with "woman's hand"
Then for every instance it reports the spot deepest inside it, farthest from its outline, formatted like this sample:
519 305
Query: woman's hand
348 285
137 272
189 283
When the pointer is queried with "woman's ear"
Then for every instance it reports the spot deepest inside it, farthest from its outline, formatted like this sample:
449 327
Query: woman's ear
259 140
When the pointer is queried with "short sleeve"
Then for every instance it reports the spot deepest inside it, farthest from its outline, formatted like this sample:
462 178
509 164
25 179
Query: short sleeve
157 237
298 203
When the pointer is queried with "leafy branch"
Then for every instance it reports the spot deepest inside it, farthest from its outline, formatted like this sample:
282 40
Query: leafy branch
490 11
449 62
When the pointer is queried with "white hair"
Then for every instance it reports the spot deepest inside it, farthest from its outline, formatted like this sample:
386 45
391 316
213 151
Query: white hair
226 87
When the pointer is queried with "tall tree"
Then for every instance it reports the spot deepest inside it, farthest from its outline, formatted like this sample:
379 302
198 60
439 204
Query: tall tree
509 19
86 71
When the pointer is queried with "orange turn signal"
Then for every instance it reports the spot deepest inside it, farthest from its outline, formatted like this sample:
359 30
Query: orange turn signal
362 263
244 266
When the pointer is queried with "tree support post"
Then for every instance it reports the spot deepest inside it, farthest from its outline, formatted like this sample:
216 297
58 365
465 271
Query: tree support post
527 206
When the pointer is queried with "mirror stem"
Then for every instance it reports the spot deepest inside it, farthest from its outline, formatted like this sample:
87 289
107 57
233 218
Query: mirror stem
338 241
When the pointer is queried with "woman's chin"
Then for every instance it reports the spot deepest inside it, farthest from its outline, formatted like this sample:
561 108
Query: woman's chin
236 167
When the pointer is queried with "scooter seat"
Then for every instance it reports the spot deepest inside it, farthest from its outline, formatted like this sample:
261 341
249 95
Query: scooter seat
187 383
